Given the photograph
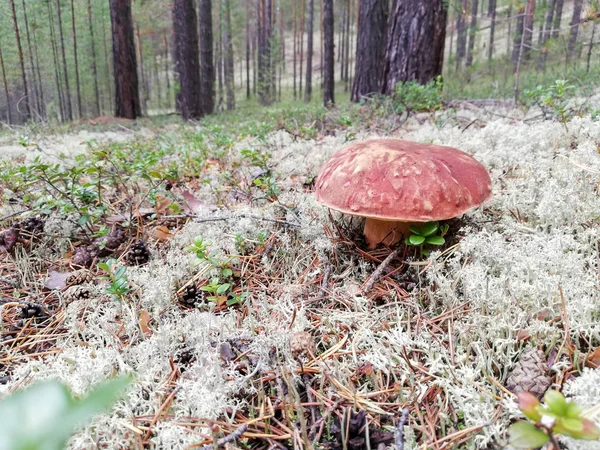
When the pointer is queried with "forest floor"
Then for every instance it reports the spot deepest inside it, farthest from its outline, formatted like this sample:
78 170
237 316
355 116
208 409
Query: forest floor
195 257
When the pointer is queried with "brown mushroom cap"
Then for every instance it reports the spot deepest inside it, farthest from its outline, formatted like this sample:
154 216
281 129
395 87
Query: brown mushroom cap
394 180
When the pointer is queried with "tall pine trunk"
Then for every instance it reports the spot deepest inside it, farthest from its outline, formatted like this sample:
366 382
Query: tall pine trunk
546 35
472 32
518 41
187 63
228 60
461 32
39 75
577 6
127 96
328 53
26 100
59 91
94 64
557 18
8 104
207 68
68 104
77 83
528 30
36 85
301 37
295 48
415 42
370 48
492 14
248 51
309 51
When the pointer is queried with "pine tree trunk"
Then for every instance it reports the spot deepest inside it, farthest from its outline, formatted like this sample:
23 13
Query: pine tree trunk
347 44
26 100
546 35
557 18
8 103
107 69
39 75
144 94
219 61
248 46
302 31
577 7
207 68
77 83
282 65
187 64
309 52
461 33
492 14
68 104
328 53
518 36
589 54
94 65
127 96
528 31
228 60
59 91
472 32
295 48
166 69
415 42
36 86
370 48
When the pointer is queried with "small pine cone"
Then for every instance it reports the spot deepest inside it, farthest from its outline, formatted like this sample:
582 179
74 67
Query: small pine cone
8 239
109 243
302 344
83 256
33 225
138 253
79 277
530 374
191 295
77 292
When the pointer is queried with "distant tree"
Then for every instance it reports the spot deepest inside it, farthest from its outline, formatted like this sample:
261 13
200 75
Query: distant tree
309 51
328 53
528 29
577 7
301 38
228 56
370 48
127 97
36 86
415 42
187 64
264 28
518 39
59 91
472 32
546 35
295 48
94 65
492 15
27 110
207 68
67 90
461 32
557 18
8 104
249 51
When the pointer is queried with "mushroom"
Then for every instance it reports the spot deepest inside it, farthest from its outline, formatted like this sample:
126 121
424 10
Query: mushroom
395 184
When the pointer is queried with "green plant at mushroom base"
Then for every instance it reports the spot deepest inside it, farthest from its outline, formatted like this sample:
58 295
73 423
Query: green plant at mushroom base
118 285
430 233
557 417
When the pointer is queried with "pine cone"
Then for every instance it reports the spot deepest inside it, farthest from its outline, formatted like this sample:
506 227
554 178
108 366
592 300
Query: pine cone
109 243
8 239
79 277
84 256
191 295
138 253
77 292
33 225
530 374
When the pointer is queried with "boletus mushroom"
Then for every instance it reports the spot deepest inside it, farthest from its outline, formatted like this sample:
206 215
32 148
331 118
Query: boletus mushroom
395 184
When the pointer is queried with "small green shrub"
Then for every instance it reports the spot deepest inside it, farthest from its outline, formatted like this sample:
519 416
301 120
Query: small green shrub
553 100
414 97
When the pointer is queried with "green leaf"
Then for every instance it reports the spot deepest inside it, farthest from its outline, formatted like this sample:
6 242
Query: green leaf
530 406
430 228
222 288
526 435
435 240
414 239
415 230
556 403
227 272
573 410
104 267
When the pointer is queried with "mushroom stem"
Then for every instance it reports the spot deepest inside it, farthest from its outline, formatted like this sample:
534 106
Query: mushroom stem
384 231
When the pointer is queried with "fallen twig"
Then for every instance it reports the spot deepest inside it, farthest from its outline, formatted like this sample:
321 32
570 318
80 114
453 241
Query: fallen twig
375 276
400 429
234 436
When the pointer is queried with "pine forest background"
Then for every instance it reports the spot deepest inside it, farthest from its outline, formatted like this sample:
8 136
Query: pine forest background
56 56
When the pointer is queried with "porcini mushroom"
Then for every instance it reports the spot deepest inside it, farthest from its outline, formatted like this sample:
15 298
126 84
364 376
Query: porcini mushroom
395 184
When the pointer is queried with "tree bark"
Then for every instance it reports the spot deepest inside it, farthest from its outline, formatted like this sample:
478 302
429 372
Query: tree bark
577 6
472 32
295 47
59 92
68 104
228 60
309 52
207 68
492 14
94 64
27 108
187 64
8 107
516 53
528 30
107 69
302 31
370 48
546 35
248 46
346 59
557 18
461 32
77 83
144 88
328 53
415 42
39 75
36 82
127 96
589 54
